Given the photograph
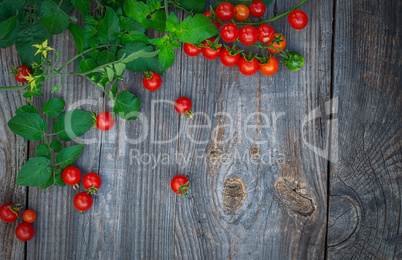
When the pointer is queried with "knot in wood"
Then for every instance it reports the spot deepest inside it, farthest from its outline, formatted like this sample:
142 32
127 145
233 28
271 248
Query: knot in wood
215 154
234 194
255 152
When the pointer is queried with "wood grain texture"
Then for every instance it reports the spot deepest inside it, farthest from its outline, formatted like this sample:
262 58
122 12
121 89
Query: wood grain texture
365 201
13 154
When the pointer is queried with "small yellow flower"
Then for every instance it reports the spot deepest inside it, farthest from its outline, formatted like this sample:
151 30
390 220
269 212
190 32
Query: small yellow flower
31 79
43 48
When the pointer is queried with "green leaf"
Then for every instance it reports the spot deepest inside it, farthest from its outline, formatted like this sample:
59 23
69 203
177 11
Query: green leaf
166 55
58 180
53 107
78 36
142 63
196 29
11 37
153 5
8 8
134 36
87 65
136 10
158 21
109 28
82 6
110 73
35 172
53 18
193 5
43 151
28 125
7 26
172 23
129 24
56 146
73 124
27 109
119 67
113 90
139 54
68 155
105 57
127 105
65 5
30 34
54 179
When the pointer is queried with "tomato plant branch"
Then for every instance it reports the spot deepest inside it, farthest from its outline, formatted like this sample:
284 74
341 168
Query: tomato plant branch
14 87
166 9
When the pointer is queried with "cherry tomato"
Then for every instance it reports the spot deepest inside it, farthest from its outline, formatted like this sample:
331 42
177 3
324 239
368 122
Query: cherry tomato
152 81
225 11
9 212
294 61
281 45
248 68
229 32
191 50
298 19
257 8
180 184
29 216
83 201
92 182
183 106
104 121
217 24
71 175
229 60
210 53
271 67
241 12
24 232
248 35
22 71
265 33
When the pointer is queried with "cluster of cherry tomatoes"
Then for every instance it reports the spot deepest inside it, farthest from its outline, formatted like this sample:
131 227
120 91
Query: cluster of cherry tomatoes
248 35
92 182
9 213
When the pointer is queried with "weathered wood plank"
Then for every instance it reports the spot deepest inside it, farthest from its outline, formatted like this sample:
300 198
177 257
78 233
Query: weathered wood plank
365 202
13 154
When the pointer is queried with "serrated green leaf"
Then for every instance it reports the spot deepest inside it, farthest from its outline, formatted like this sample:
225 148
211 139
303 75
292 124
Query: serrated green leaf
94 54
28 35
68 155
153 5
196 29
29 126
136 10
172 23
87 65
53 107
73 124
166 55
134 36
35 172
53 18
56 146
54 179
127 105
27 109
78 36
193 5
82 5
139 54
7 26
158 21
129 24
43 151
119 67
105 57
109 29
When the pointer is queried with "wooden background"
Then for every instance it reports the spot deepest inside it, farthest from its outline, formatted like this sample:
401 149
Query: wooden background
260 191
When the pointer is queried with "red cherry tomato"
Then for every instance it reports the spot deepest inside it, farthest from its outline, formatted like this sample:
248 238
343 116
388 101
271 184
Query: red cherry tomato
281 45
229 60
71 175
92 182
265 33
191 50
183 105
241 12
104 121
248 68
9 212
248 35
22 71
229 32
152 81
217 24
29 216
298 19
83 201
257 8
24 232
210 53
225 11
271 67
180 184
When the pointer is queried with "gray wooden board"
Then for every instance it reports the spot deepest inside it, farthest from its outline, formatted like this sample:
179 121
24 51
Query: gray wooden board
256 155
365 182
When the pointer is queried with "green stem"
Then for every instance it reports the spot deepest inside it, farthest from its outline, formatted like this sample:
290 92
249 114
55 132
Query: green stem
14 88
166 9
275 18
